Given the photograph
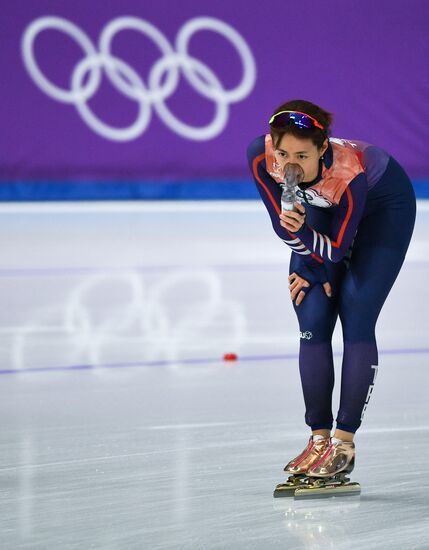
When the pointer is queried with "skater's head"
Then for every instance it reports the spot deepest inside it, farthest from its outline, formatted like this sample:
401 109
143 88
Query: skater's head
299 130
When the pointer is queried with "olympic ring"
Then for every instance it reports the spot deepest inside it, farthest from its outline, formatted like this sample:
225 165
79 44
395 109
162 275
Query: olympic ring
123 23
119 134
204 23
126 80
221 116
81 38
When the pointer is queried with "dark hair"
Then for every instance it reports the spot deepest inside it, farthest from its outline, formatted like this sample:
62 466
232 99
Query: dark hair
316 135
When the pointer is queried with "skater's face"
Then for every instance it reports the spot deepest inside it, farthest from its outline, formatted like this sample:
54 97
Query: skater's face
304 152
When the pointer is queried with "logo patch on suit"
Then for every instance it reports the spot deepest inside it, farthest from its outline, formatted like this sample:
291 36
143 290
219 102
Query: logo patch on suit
314 198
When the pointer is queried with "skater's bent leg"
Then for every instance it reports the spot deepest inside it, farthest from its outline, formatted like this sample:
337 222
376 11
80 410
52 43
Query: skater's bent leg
373 271
378 254
317 316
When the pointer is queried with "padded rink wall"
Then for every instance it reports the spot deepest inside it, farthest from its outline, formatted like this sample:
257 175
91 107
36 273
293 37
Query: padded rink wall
135 100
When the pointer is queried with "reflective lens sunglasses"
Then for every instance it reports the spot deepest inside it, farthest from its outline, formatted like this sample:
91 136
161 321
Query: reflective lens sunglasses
283 118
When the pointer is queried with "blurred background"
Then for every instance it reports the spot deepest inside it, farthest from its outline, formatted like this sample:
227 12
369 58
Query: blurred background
136 253
132 101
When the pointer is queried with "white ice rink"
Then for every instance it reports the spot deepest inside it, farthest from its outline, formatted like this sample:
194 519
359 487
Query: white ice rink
123 428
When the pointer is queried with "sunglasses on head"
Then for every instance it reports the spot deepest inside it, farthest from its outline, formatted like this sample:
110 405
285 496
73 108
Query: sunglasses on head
284 118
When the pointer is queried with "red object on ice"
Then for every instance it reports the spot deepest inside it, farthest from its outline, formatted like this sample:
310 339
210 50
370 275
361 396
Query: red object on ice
230 357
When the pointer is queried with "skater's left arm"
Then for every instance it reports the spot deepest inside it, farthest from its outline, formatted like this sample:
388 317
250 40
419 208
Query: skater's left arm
332 247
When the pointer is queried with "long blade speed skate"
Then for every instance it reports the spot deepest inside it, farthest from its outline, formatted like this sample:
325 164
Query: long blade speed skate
302 486
326 474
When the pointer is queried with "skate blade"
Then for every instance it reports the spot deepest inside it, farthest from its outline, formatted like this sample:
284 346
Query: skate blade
344 489
284 490
288 489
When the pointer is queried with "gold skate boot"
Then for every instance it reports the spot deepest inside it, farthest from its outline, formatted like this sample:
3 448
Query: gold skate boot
298 467
327 476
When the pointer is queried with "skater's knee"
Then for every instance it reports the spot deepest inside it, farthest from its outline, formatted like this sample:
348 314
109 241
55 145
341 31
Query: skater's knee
315 331
358 328
316 325
358 319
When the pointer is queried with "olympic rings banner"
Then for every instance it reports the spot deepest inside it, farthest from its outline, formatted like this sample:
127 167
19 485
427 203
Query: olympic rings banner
128 100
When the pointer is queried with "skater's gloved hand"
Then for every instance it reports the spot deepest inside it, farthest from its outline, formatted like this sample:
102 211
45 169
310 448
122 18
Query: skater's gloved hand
296 286
304 278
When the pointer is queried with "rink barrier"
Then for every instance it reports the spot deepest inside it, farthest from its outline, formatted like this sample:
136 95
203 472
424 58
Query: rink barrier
228 189
128 190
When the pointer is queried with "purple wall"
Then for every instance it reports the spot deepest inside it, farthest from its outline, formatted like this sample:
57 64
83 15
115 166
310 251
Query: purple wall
365 61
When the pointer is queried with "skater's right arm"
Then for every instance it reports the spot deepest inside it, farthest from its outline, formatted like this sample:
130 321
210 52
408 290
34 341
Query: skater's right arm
270 192
310 268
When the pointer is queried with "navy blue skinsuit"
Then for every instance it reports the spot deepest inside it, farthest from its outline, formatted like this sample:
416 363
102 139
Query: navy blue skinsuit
359 246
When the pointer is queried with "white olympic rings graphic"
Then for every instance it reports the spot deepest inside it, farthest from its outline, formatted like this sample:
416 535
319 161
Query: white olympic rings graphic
126 80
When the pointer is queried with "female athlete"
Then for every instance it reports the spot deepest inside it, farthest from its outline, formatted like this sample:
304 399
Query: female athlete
349 236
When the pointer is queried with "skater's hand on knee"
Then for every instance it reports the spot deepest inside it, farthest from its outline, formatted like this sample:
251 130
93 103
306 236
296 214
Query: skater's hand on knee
296 284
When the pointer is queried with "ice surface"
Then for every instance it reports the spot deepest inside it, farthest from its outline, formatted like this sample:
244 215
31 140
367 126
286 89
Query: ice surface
123 428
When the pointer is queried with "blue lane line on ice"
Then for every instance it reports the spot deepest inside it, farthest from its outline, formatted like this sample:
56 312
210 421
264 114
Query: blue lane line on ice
168 363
